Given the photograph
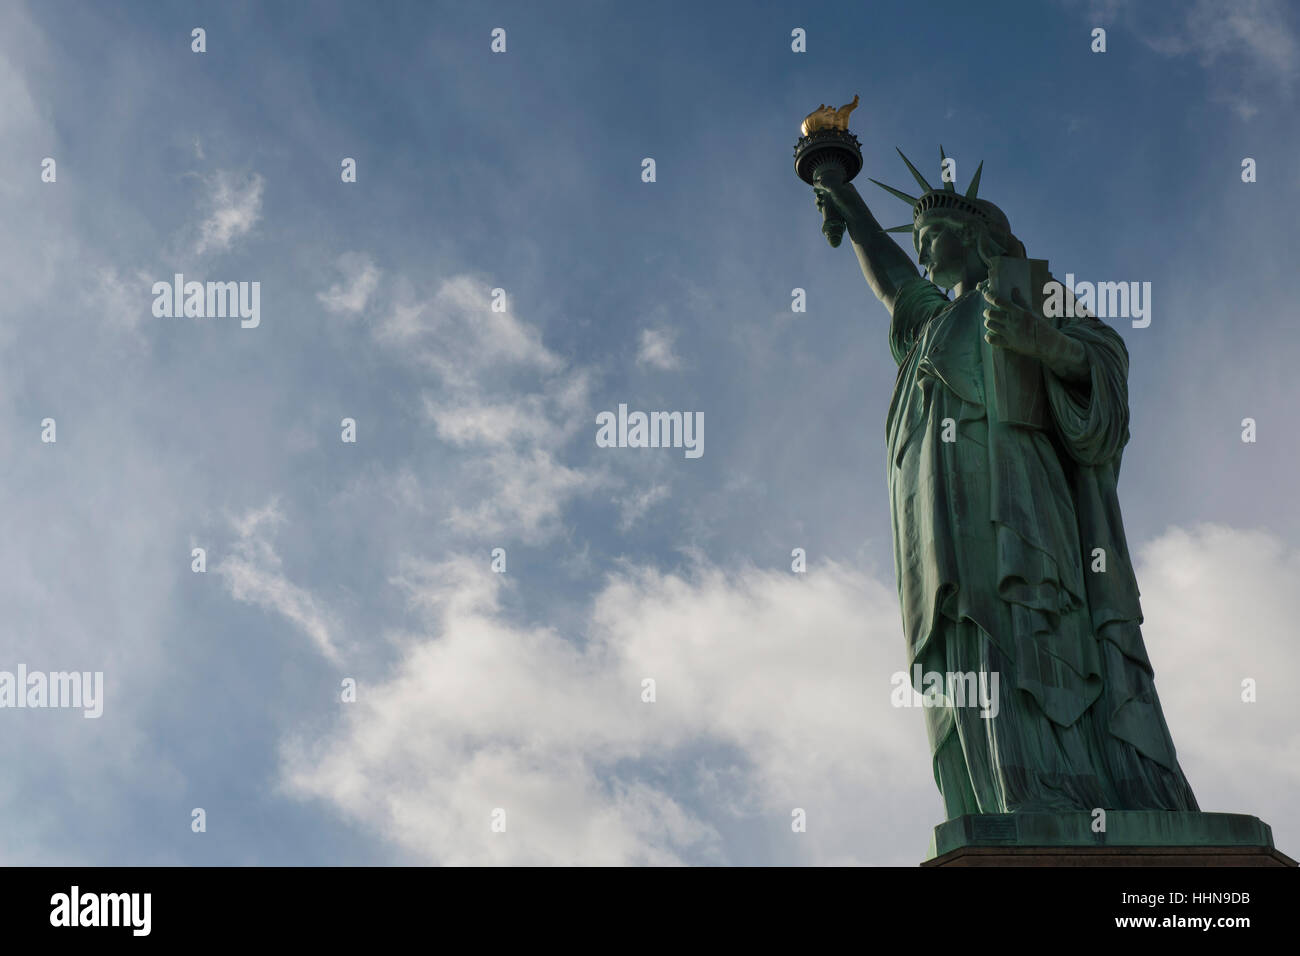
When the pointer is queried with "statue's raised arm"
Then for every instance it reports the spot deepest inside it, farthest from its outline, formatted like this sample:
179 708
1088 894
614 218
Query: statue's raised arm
884 263
827 157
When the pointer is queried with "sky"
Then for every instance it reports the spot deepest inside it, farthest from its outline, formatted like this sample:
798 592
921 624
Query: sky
369 563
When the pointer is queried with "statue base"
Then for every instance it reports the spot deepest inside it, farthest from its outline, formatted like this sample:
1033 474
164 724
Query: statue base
1132 838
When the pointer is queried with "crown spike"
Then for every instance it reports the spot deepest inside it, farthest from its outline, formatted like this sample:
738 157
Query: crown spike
974 186
947 184
906 227
910 200
920 180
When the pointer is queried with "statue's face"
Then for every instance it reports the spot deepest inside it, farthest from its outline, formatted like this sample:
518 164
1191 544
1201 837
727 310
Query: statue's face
943 254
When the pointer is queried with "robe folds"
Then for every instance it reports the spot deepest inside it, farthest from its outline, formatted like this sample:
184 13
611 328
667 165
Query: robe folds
995 536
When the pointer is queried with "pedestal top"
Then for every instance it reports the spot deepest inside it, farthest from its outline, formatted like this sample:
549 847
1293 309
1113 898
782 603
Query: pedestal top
1122 828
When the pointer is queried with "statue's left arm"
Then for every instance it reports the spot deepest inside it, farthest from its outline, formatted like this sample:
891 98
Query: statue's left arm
1085 373
1091 413
1065 357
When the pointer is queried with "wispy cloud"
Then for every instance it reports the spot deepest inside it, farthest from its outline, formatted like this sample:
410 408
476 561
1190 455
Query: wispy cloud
123 303
509 404
253 574
656 349
360 280
232 205
1251 45
458 333
633 507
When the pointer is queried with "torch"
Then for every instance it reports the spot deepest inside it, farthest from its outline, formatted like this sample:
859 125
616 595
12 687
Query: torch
828 154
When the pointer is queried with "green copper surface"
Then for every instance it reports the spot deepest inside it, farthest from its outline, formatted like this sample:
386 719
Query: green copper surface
1002 452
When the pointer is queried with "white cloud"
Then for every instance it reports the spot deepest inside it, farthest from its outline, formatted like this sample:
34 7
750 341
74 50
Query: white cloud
458 335
632 507
521 492
361 279
783 680
252 573
1218 611
470 422
512 453
123 303
21 121
508 403
1249 46
1256 30
785 677
233 205
656 349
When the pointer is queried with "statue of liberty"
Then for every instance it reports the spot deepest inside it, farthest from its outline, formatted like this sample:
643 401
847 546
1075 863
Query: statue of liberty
1008 542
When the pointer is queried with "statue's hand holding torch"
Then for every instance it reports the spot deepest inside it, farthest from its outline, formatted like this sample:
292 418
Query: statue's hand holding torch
827 157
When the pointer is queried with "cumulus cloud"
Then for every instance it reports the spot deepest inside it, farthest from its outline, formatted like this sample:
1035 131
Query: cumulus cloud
782 680
1216 601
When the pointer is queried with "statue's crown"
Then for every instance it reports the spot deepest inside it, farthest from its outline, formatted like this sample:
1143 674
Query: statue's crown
947 201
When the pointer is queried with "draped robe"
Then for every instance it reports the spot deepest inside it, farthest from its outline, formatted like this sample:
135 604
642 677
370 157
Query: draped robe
995 534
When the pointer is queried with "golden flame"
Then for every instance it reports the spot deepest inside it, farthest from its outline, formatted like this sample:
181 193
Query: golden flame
826 117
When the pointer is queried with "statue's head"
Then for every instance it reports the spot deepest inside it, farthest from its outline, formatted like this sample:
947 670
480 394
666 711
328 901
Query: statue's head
949 228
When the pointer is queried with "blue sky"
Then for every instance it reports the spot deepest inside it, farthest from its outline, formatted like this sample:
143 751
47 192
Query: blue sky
522 171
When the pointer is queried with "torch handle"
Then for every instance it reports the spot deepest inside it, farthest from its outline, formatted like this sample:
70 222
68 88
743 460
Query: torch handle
831 174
